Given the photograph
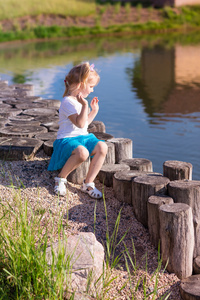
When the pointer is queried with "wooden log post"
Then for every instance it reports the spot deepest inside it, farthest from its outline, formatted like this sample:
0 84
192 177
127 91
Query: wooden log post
53 128
92 128
51 124
188 192
18 131
46 136
123 148
48 147
29 105
122 184
196 265
140 164
6 113
103 136
107 172
190 288
177 238
142 188
78 175
19 148
100 126
22 86
21 118
34 112
50 103
177 170
110 156
23 123
154 202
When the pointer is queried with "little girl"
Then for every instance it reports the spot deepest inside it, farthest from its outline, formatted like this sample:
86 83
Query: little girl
74 144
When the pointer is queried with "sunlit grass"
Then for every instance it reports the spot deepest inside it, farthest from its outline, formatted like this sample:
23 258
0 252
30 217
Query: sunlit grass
12 9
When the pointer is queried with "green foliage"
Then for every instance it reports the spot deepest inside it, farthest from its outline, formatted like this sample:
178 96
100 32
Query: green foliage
12 9
186 15
19 78
169 13
47 32
117 7
173 20
127 7
139 6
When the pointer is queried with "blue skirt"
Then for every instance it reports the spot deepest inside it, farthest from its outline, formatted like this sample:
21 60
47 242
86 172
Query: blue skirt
63 148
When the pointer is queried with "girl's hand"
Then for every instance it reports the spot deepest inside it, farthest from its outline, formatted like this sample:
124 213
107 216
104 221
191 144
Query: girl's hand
81 99
94 104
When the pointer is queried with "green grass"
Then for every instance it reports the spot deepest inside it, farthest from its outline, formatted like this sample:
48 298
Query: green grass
14 9
181 20
187 19
42 32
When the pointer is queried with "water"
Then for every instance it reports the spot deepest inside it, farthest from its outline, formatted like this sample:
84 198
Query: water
148 92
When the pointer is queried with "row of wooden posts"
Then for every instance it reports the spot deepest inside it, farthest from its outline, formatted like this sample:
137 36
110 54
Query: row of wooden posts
167 204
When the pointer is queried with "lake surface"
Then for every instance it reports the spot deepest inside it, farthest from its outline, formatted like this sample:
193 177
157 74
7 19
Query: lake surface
149 90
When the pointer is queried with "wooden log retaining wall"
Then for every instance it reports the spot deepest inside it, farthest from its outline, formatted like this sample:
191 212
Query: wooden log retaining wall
29 123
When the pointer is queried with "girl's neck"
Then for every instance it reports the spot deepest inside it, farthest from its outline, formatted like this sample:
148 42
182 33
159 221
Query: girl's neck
73 96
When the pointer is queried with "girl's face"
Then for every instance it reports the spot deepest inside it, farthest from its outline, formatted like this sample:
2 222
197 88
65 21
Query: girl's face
88 87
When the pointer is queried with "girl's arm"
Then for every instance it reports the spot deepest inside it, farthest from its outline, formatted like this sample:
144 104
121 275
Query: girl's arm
95 108
79 120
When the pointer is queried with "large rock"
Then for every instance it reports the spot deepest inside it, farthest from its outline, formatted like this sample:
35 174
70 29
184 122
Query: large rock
87 256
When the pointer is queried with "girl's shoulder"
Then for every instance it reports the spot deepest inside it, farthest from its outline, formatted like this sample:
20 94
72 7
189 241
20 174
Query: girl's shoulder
69 103
69 99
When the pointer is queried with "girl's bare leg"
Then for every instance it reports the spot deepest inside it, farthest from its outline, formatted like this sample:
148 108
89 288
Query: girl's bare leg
99 153
79 155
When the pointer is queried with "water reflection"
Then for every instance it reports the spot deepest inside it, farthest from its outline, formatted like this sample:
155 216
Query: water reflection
149 90
168 80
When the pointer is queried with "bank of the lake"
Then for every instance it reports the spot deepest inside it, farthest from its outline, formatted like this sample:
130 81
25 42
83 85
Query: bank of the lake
108 20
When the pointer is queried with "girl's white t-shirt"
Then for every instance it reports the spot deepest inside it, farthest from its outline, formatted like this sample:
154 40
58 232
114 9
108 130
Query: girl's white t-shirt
69 106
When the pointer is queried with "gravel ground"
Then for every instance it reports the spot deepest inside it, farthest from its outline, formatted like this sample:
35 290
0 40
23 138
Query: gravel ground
37 186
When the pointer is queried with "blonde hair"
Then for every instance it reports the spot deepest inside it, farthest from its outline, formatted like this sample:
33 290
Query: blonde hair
79 74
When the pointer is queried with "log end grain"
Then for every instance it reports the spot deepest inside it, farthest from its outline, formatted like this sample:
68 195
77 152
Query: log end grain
160 200
17 131
107 172
174 208
190 288
140 164
40 112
